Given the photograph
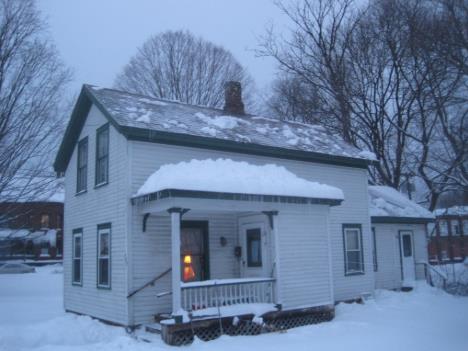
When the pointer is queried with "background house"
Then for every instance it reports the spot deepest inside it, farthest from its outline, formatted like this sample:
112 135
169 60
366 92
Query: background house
449 235
31 230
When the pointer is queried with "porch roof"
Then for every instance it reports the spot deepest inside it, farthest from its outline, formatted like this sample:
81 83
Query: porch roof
225 179
170 197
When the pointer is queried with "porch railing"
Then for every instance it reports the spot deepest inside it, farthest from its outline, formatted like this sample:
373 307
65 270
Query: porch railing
226 292
434 277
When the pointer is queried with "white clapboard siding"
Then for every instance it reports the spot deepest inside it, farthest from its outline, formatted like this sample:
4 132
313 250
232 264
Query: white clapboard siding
388 275
303 250
148 157
152 256
102 205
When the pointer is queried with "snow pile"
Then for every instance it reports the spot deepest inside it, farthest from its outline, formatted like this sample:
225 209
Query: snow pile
452 211
368 155
221 122
426 319
228 176
386 201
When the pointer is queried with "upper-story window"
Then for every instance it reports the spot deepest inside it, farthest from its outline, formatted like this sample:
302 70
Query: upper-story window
82 168
456 228
45 220
443 227
102 155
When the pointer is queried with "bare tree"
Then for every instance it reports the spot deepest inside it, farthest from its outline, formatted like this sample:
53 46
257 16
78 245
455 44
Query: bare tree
177 65
32 80
315 52
293 99
387 78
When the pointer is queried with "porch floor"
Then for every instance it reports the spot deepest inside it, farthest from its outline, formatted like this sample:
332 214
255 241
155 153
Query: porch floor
255 309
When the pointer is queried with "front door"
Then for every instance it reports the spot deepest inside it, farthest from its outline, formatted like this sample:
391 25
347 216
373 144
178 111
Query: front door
194 251
407 257
254 256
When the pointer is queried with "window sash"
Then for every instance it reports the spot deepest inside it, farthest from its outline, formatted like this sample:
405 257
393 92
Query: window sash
102 155
103 257
77 255
374 250
82 165
353 257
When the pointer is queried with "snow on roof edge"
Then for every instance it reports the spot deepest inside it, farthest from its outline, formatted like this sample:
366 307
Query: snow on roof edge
228 176
385 201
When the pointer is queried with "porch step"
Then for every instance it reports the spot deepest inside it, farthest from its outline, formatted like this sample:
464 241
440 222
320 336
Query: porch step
161 316
154 328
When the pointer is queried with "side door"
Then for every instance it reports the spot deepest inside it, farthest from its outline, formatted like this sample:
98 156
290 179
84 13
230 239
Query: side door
254 244
407 257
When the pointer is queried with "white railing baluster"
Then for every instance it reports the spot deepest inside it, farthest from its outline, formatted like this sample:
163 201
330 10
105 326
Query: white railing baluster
196 297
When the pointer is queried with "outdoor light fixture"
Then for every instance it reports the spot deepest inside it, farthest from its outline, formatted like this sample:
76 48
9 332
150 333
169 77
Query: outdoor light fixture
223 241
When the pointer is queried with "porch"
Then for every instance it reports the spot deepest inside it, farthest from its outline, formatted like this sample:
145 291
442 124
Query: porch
230 270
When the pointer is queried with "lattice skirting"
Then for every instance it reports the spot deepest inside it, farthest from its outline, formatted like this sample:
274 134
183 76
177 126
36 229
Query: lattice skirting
183 334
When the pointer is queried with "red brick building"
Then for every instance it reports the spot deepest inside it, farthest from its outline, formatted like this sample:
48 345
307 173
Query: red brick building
31 230
449 235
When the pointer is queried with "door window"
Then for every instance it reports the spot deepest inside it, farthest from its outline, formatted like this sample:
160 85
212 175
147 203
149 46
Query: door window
407 246
254 247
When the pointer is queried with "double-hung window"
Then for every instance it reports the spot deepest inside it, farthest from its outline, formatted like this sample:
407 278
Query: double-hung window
104 256
82 167
374 250
102 155
77 257
353 253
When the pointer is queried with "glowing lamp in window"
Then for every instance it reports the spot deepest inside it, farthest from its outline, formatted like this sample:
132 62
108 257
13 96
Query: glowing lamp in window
189 273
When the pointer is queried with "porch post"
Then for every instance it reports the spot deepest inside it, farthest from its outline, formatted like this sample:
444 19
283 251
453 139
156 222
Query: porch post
175 244
273 219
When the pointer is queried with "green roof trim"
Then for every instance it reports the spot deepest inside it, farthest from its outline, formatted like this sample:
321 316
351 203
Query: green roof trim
396 220
212 195
86 99
141 134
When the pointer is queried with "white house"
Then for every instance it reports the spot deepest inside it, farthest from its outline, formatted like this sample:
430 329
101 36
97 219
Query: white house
172 208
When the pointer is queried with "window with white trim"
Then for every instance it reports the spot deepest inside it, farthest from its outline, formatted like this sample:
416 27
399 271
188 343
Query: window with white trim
82 166
77 256
102 155
352 237
374 250
104 256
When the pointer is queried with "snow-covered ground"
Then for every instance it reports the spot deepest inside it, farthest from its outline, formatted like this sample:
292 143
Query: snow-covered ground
31 318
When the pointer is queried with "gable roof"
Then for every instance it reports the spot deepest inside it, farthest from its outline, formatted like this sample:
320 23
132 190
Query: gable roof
387 205
170 122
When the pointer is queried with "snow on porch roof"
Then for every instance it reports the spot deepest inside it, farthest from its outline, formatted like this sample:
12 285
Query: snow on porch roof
233 177
390 203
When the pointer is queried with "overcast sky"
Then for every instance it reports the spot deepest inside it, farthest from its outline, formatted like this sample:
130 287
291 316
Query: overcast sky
96 38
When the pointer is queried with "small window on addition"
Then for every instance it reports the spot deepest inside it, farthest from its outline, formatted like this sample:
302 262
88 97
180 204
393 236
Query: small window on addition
352 238
254 247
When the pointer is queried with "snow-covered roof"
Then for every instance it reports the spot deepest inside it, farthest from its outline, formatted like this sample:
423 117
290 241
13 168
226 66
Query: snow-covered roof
388 202
37 189
37 237
130 110
228 176
452 211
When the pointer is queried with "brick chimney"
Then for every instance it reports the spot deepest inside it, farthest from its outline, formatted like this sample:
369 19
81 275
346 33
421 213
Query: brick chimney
233 98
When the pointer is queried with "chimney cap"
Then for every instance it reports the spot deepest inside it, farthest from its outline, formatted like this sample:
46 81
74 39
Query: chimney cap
233 98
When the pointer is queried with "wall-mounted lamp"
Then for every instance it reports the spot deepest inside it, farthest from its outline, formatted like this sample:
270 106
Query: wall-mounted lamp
223 241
